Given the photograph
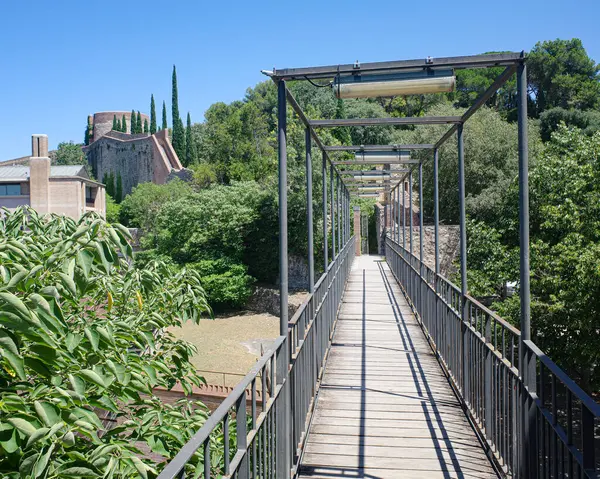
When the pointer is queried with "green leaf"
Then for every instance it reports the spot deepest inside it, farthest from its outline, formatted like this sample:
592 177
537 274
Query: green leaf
22 425
42 462
39 367
36 436
92 377
140 466
78 472
93 338
47 412
68 283
8 438
72 341
16 363
16 279
85 259
77 384
15 304
7 342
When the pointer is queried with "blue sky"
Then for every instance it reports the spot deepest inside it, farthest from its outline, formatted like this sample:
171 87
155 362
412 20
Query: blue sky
63 60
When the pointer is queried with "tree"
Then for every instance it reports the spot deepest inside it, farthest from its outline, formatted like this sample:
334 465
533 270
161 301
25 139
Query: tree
124 124
119 189
341 133
190 153
164 117
114 125
109 182
112 210
119 127
561 74
146 129
139 123
68 153
550 120
133 129
84 342
178 131
152 115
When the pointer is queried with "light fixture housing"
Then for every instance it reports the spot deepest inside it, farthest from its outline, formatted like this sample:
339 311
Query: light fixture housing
369 195
381 157
371 177
394 84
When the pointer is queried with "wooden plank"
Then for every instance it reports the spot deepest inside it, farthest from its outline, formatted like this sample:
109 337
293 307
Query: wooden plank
385 409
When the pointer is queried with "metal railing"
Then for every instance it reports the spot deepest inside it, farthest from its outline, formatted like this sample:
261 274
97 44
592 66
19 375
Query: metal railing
551 426
226 446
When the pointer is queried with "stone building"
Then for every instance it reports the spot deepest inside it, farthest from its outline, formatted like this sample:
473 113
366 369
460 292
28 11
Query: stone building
135 159
64 190
99 124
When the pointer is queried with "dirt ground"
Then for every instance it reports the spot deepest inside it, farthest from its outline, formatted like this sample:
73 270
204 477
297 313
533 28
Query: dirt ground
229 345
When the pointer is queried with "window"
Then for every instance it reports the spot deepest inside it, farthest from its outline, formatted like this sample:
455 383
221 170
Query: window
90 195
10 189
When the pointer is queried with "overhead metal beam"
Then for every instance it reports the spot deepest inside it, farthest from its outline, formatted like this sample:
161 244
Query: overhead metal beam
375 162
472 61
371 172
378 147
409 120
485 96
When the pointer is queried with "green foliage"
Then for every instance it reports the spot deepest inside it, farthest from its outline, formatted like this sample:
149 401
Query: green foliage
227 284
119 128
140 209
491 159
133 129
112 210
588 121
204 175
140 127
561 74
565 252
146 128
178 131
83 339
119 188
190 148
109 182
164 117
152 115
124 124
114 125
68 153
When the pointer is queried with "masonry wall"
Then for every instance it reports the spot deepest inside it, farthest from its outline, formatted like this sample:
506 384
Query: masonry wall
67 197
132 159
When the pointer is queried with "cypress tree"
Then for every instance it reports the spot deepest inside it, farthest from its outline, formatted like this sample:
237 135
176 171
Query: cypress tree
178 131
152 115
118 127
124 125
119 189
139 123
133 120
114 127
164 117
146 129
190 151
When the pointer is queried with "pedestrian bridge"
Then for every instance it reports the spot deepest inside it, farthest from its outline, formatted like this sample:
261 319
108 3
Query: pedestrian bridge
388 369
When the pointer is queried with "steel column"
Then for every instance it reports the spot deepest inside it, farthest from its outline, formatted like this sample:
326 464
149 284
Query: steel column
309 214
421 236
527 366
338 206
331 170
436 234
463 263
410 211
284 411
325 245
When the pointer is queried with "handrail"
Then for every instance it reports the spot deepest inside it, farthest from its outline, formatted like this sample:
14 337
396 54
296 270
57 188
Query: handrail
307 340
482 354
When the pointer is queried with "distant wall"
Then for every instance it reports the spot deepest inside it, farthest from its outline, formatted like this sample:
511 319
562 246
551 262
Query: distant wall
137 158
103 122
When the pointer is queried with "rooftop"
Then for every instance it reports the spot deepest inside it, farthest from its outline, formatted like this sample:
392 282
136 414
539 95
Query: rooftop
20 172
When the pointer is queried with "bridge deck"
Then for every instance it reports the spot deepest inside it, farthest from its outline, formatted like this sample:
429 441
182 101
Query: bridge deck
385 409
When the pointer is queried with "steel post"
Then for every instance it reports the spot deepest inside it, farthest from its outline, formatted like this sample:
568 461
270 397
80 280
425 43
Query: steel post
421 239
338 209
284 411
309 214
463 263
325 245
529 449
331 170
436 233
410 211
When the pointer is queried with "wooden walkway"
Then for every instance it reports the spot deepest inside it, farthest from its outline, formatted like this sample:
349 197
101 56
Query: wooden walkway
385 409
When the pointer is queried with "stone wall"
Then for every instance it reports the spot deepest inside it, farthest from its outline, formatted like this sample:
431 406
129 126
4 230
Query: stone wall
103 121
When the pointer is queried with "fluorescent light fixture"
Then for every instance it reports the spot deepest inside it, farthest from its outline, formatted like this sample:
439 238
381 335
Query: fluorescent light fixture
382 157
372 177
394 84
368 195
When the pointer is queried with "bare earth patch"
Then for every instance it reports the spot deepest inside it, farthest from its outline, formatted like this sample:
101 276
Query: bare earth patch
229 344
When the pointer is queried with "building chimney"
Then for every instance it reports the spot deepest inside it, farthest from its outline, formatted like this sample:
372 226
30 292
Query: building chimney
39 174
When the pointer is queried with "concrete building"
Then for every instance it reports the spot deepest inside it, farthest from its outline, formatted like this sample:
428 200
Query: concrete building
66 190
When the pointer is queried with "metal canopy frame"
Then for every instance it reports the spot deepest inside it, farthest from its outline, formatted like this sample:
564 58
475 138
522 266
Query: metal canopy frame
513 63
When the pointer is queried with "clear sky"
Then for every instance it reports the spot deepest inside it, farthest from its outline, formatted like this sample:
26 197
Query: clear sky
62 60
